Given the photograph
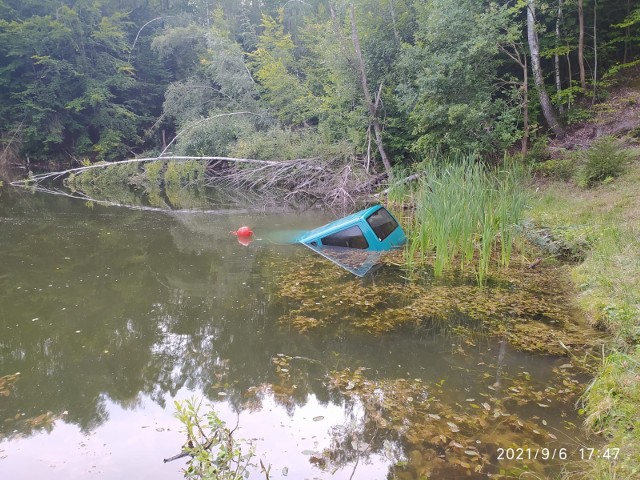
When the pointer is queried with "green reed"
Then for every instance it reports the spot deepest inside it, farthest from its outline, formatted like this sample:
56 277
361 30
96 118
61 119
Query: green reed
464 213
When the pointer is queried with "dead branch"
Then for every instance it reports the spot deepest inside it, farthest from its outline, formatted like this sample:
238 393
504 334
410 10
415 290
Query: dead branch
408 179
55 175
330 180
333 180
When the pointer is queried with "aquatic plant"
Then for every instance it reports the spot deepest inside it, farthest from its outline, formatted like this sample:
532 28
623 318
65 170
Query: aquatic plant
215 453
531 307
6 384
464 210
446 438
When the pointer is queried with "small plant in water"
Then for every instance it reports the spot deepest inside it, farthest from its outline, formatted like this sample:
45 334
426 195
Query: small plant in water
215 453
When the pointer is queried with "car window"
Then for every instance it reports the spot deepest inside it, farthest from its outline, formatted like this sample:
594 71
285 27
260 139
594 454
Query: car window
349 237
382 223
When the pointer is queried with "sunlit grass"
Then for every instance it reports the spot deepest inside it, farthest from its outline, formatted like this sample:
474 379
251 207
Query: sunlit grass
605 221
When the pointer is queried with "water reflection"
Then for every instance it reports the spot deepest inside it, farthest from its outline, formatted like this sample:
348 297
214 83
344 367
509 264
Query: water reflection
109 314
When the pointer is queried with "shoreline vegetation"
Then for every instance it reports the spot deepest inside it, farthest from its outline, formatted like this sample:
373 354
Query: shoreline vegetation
604 224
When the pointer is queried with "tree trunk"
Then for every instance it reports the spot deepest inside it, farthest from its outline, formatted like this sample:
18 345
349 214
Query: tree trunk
545 103
525 100
570 75
395 28
595 51
556 57
371 106
583 79
627 35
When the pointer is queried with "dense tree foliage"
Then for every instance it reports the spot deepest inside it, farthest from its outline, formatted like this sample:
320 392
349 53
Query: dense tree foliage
106 79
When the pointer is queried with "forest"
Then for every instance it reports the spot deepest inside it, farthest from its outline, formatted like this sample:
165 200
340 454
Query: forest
379 83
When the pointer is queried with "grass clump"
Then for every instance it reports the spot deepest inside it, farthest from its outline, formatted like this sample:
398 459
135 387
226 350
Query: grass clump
465 212
613 408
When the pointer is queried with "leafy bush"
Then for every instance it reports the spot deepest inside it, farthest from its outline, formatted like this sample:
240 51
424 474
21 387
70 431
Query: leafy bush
286 144
577 115
604 160
539 150
212 136
560 168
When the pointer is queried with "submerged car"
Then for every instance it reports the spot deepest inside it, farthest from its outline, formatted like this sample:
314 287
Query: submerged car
357 241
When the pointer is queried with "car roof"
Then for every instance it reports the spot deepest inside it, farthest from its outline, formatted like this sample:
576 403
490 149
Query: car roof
340 224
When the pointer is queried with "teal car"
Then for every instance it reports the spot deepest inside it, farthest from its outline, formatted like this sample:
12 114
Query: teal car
373 229
357 241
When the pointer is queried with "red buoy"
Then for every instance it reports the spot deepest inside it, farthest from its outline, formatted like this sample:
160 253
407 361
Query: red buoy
244 241
243 232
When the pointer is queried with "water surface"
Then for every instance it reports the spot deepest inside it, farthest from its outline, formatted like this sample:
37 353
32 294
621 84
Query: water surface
110 314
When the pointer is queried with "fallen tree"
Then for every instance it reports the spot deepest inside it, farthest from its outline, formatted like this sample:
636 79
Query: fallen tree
333 180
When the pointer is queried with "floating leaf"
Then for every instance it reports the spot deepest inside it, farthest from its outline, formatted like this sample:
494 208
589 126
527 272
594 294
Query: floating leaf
454 428
309 452
359 446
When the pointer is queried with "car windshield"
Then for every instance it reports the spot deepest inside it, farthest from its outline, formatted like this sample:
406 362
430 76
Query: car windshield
382 223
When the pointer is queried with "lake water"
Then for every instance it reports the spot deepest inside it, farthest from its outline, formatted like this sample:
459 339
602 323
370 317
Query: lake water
110 314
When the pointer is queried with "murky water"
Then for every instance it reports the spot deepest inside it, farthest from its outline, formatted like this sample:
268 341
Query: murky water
110 314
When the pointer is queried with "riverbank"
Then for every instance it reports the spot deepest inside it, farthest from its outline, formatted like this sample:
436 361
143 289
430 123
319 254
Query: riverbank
603 224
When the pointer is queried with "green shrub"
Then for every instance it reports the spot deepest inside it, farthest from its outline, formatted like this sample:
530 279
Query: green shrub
539 150
577 115
560 168
179 174
603 161
286 144
153 172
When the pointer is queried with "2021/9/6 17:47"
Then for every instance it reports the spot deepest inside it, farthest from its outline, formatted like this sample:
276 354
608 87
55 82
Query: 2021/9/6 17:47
517 453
